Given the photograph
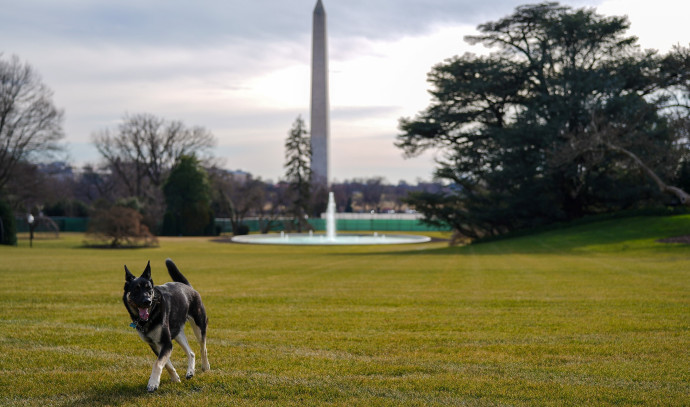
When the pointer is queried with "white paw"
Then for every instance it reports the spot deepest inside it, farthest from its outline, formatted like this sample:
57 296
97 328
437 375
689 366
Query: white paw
190 374
153 385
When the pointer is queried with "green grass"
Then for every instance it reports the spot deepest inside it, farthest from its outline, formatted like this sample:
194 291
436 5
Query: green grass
597 314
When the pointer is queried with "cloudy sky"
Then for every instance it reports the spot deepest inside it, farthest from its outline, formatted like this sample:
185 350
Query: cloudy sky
241 69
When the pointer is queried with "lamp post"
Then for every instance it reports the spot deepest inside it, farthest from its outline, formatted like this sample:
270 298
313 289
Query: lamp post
30 219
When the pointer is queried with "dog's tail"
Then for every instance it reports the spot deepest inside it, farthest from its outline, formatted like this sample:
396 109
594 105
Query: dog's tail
175 273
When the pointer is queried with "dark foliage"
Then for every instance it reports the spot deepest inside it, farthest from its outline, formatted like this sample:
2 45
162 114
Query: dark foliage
67 207
188 198
8 227
298 172
516 126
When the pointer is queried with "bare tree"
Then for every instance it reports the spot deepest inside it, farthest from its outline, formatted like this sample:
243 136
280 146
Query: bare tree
141 152
29 122
240 199
145 147
276 203
372 191
94 183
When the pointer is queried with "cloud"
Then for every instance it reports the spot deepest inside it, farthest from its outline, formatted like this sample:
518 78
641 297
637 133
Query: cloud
241 69
210 22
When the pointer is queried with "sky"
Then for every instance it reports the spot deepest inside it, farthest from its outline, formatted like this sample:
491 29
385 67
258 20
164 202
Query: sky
242 69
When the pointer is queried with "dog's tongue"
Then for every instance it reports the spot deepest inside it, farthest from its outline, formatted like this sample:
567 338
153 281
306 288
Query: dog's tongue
143 314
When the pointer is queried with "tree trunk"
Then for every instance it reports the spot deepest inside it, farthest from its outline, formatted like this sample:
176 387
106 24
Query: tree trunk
663 187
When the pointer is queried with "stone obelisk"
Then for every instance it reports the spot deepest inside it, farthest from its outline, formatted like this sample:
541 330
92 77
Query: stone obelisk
319 98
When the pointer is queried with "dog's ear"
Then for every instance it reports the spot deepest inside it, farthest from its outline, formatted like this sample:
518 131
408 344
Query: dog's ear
147 272
128 276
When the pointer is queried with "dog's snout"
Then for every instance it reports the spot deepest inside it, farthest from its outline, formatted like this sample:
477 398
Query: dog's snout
146 302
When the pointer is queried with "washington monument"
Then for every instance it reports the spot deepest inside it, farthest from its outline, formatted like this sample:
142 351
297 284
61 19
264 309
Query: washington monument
319 98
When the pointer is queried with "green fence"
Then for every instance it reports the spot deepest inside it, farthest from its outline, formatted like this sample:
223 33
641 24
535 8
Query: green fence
343 225
66 224
63 223
392 225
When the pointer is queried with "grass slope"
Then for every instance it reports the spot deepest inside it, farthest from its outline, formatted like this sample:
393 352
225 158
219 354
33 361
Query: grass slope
595 314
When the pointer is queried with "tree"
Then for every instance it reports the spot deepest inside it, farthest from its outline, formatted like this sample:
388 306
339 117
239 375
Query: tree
188 198
8 228
372 192
94 183
237 198
298 170
507 121
38 185
30 125
143 149
274 206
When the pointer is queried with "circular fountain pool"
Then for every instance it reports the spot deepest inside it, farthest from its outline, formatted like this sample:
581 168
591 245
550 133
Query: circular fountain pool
330 238
321 239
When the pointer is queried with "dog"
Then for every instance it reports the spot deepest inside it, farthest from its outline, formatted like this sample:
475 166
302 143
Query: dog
159 314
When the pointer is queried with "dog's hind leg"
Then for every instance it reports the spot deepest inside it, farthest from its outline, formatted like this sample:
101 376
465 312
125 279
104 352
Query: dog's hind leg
182 340
200 333
168 366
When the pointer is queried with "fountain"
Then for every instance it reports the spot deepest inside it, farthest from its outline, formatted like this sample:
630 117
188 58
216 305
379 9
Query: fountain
331 237
330 218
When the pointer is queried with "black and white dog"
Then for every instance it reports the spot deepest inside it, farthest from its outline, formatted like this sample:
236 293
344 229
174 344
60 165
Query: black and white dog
159 314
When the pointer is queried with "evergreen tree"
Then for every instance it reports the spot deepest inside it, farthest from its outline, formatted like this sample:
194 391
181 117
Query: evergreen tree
188 197
518 127
298 170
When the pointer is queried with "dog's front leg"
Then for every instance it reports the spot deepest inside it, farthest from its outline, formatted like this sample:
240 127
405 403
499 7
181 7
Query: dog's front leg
168 366
163 360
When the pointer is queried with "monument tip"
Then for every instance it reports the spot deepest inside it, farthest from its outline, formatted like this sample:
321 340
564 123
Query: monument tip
319 9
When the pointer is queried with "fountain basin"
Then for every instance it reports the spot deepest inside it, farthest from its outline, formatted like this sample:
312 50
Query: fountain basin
331 238
325 240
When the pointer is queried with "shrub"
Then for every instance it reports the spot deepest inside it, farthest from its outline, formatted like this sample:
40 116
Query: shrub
241 230
118 226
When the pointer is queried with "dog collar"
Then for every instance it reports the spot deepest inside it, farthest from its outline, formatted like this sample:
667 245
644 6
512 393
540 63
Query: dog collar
139 325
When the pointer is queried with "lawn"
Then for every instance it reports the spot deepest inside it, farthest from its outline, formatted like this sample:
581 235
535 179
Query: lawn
597 314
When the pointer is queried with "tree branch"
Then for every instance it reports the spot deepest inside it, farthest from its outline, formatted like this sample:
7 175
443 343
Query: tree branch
663 187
